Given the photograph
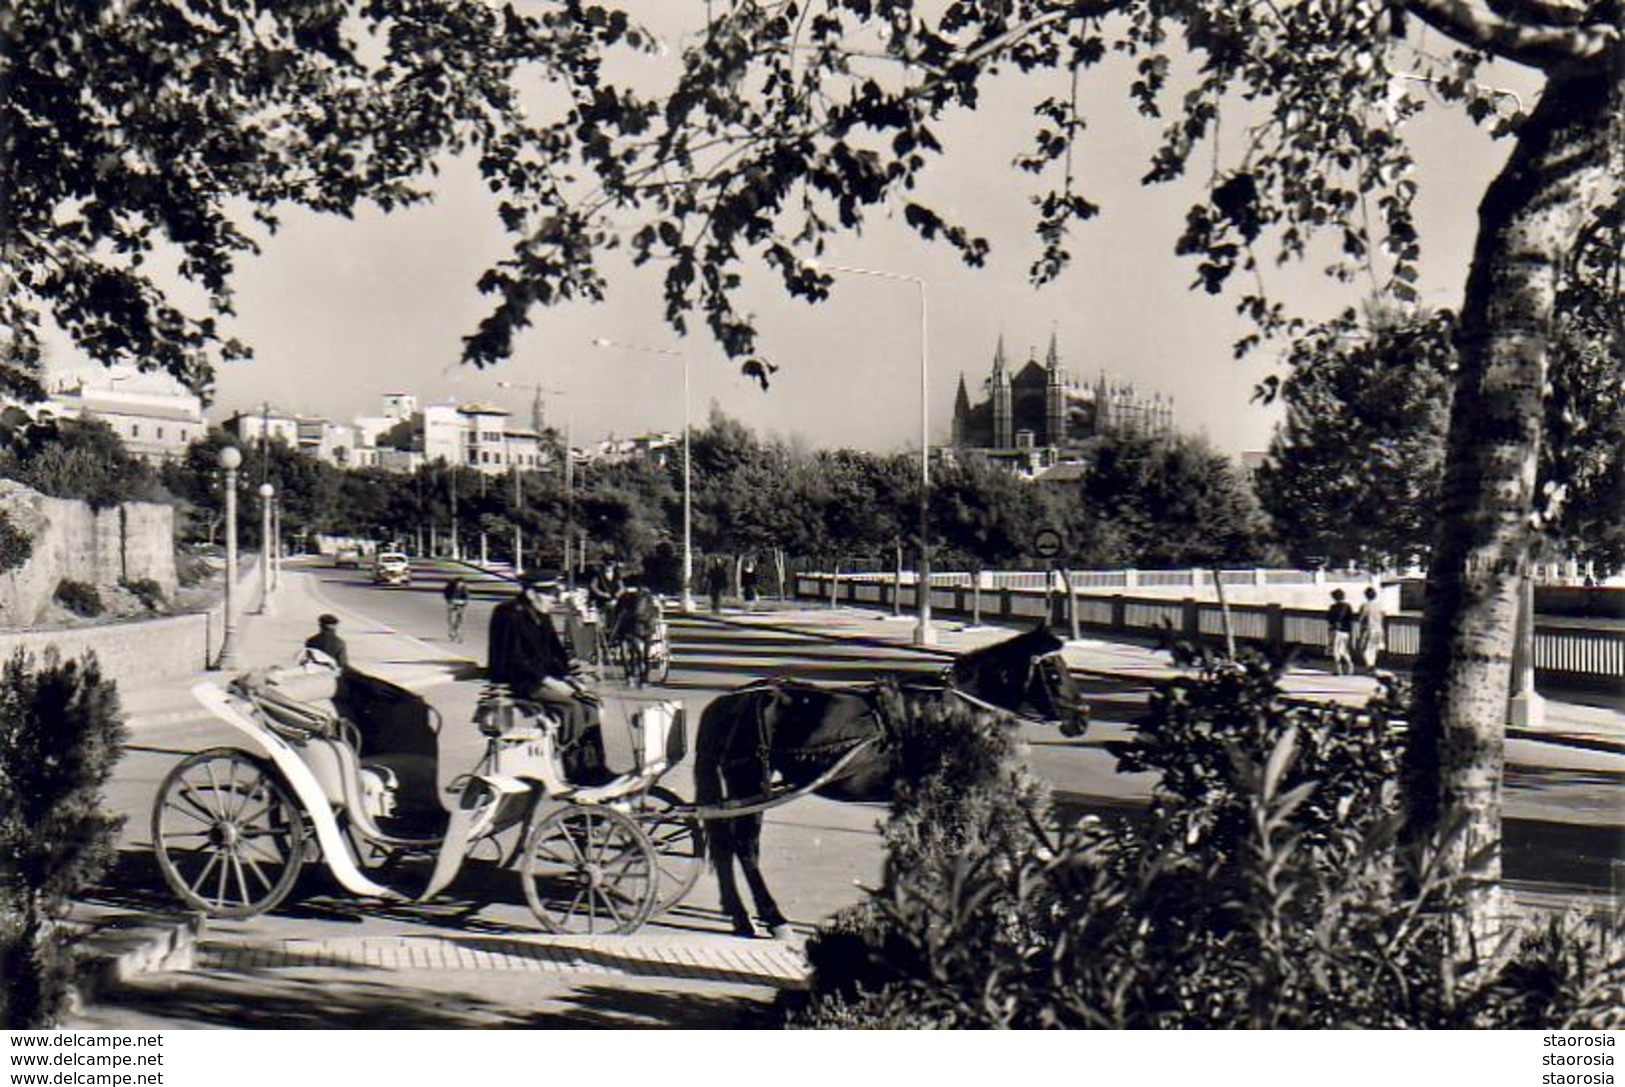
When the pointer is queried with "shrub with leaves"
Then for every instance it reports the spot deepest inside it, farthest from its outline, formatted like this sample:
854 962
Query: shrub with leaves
146 590
16 547
60 737
81 598
962 793
1204 729
1252 896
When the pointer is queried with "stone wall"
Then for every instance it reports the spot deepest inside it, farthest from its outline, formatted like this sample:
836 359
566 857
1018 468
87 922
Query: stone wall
134 541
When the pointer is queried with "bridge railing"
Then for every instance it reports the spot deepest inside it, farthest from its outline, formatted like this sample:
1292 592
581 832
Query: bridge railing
1587 657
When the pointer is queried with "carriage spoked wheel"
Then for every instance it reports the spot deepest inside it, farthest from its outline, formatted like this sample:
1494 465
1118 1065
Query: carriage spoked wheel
229 838
678 841
589 870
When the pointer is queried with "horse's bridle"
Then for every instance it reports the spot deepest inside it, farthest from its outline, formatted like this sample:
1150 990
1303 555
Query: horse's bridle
1034 666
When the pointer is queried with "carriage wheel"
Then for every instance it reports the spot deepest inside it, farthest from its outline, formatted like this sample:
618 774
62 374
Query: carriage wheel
589 870
229 838
678 841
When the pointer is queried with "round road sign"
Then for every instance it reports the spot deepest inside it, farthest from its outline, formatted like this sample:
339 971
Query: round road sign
1047 543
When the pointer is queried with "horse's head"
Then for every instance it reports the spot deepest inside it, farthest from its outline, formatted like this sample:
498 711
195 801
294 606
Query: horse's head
1027 676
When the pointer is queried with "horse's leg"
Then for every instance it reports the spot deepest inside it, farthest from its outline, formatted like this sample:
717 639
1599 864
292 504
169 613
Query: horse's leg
710 787
719 841
748 847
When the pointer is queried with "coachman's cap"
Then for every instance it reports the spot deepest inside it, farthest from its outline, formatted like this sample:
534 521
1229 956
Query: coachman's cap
328 620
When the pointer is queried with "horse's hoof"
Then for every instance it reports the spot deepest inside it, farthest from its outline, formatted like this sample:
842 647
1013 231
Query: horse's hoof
745 930
780 932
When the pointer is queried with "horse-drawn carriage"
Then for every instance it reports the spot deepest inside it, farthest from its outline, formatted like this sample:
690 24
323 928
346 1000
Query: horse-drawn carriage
343 767
348 774
633 637
627 635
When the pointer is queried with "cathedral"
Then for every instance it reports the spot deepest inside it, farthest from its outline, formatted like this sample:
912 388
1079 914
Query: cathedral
1040 414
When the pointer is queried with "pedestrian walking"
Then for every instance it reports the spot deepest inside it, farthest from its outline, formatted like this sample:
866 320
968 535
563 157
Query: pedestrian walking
1340 628
456 594
326 640
1370 630
747 582
716 582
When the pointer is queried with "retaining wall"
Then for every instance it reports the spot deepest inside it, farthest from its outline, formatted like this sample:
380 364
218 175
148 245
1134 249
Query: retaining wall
130 542
143 650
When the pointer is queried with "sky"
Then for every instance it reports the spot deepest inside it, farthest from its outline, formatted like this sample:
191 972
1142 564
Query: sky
341 312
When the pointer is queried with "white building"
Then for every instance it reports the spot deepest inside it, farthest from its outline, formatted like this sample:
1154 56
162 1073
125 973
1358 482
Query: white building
153 414
253 427
658 447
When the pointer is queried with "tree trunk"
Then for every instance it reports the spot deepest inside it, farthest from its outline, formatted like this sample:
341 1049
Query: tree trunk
1556 178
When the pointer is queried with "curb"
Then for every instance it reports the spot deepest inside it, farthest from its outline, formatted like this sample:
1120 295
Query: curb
117 949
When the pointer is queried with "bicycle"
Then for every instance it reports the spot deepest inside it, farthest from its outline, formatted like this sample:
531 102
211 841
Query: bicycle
454 620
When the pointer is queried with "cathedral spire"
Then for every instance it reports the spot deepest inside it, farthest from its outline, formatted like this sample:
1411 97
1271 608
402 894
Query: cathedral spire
998 359
1052 360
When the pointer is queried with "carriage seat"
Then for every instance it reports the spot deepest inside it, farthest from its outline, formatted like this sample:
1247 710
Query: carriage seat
301 701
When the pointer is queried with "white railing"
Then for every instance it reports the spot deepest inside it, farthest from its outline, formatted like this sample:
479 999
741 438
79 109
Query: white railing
1588 654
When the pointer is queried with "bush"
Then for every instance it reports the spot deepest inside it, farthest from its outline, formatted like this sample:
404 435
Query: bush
16 547
146 590
83 599
60 737
1257 894
81 459
1202 731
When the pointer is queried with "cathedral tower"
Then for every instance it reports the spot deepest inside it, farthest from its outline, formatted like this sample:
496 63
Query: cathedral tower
1004 436
962 435
1054 396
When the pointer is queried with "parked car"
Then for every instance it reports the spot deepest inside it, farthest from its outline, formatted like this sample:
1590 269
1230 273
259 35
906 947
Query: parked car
392 568
347 558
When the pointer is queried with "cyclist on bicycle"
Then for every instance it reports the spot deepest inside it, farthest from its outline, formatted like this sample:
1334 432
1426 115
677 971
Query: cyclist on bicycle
456 594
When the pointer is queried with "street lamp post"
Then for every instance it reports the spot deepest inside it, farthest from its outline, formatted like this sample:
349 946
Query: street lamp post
230 460
924 632
267 494
276 544
688 477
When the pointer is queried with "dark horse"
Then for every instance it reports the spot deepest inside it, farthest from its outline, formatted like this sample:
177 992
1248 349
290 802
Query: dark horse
631 626
779 738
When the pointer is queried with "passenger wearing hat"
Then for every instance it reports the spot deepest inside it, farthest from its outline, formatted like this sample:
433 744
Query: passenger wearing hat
327 640
526 654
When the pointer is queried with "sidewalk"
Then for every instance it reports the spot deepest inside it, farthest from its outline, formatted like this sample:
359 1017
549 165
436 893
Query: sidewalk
266 640
1598 723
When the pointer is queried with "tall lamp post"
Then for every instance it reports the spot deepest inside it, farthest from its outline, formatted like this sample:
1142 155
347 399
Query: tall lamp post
230 459
267 496
688 478
924 632
276 544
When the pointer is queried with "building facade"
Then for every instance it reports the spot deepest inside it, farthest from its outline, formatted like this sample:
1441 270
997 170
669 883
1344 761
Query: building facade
154 415
1041 414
